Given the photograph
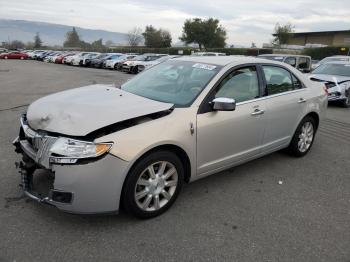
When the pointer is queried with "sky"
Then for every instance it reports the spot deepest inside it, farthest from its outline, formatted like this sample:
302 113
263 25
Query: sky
245 21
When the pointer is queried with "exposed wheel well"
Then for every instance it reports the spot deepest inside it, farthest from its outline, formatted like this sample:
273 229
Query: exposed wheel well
315 116
180 153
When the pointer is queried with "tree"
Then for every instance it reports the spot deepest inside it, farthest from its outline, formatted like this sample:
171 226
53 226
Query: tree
15 44
206 33
156 38
72 39
165 38
37 41
282 33
134 36
109 43
98 45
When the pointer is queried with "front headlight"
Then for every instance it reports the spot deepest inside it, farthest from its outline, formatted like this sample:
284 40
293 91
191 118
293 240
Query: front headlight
67 147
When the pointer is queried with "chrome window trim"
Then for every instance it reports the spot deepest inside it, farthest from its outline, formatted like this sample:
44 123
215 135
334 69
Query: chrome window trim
271 96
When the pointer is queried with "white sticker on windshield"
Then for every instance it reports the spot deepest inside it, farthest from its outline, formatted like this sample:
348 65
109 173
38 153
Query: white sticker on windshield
204 66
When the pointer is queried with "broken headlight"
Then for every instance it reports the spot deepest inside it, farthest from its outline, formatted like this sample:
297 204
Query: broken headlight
71 148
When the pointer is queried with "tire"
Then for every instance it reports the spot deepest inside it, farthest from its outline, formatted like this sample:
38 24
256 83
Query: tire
6 57
302 140
145 197
346 102
135 70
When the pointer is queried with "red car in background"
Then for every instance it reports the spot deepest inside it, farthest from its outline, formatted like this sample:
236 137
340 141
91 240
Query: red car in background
14 55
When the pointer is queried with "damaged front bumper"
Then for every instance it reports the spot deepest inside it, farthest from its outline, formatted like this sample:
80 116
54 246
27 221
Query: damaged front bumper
80 186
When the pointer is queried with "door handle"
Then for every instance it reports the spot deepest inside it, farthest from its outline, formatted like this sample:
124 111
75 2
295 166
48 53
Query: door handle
257 112
301 100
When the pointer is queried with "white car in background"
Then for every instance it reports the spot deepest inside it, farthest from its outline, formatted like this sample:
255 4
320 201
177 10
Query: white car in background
148 64
69 59
117 63
336 77
80 58
132 66
335 58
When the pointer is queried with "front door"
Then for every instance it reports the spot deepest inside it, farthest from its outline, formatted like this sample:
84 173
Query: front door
225 138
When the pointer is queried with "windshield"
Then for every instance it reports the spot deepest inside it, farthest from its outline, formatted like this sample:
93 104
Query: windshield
331 59
176 82
333 69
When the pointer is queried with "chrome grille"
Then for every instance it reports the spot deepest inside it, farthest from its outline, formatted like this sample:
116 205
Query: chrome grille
40 144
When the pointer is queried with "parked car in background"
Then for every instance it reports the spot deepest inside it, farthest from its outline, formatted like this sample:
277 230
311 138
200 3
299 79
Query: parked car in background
98 61
177 122
14 55
79 59
132 66
118 62
334 58
68 59
148 64
87 58
40 56
3 50
336 76
300 62
59 59
208 54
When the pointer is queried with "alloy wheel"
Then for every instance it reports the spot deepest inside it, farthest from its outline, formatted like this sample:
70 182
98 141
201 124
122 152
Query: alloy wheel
305 137
156 186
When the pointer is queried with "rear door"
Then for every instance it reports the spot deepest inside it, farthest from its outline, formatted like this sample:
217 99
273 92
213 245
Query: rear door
285 105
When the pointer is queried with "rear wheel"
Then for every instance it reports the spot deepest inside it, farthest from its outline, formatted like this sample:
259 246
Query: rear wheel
6 57
153 184
22 57
303 137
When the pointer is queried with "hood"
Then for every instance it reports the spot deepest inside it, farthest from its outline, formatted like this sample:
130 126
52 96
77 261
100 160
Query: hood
329 78
80 111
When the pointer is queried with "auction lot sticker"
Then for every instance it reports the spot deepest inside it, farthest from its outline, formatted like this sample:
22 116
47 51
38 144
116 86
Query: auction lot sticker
204 66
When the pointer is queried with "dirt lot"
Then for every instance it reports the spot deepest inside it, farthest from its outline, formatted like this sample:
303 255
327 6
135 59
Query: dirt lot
242 214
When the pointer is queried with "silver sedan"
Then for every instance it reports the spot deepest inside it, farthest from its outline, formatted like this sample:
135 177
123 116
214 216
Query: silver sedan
104 147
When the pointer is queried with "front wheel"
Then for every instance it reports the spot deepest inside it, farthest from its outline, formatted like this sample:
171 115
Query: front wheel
153 184
303 137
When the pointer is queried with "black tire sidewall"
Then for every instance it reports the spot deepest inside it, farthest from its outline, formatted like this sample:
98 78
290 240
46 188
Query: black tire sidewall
128 200
293 147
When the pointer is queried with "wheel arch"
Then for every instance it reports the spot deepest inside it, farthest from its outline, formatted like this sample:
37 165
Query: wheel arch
180 152
315 116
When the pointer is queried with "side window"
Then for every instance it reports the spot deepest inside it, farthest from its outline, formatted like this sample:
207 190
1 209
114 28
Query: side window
278 80
303 63
291 61
241 85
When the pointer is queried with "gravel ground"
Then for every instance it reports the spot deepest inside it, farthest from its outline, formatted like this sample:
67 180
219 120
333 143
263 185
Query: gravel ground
242 214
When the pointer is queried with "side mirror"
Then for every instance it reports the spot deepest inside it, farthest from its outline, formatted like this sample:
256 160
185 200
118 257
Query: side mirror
224 104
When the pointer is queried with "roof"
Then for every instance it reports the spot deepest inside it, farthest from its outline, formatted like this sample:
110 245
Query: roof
224 60
283 55
320 32
338 62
